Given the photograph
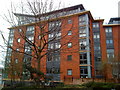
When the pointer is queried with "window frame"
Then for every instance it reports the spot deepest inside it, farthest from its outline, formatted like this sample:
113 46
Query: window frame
18 40
69 57
69 21
69 45
69 32
69 72
19 30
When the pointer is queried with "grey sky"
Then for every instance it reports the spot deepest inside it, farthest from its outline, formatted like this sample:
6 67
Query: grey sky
99 8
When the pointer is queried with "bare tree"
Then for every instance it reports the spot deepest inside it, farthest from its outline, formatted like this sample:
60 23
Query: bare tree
42 37
110 68
105 70
115 65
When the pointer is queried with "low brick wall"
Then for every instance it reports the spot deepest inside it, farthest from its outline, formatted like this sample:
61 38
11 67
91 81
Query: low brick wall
85 80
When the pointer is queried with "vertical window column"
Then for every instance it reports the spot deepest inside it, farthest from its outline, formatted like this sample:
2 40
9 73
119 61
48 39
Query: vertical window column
109 43
84 43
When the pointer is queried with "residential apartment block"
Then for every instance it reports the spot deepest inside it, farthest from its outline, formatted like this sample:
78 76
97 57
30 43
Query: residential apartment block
81 46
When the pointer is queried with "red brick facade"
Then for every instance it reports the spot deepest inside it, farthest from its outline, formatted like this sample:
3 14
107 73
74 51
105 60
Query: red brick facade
74 64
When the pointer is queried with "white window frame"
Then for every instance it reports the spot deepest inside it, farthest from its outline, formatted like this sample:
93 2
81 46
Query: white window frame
31 38
18 40
17 49
69 45
57 45
20 30
69 32
69 72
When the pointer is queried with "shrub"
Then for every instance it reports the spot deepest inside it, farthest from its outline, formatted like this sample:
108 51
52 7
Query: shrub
88 85
99 85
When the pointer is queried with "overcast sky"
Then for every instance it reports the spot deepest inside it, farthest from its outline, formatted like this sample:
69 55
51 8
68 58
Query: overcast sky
99 8
104 9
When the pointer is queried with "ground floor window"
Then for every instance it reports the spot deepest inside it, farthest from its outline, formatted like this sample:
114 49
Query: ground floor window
69 72
83 72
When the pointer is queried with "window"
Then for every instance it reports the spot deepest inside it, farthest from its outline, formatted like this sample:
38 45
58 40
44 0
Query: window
110 50
19 30
51 35
82 28
82 47
69 45
51 24
98 59
108 30
30 38
69 72
82 23
110 55
8 54
69 32
83 44
83 70
109 41
69 21
83 41
30 29
27 49
11 31
83 58
56 58
95 25
96 47
53 70
50 46
9 50
84 61
18 40
69 57
82 18
83 55
57 45
11 40
16 60
96 36
50 57
58 34
27 60
82 31
39 37
17 49
82 35
58 23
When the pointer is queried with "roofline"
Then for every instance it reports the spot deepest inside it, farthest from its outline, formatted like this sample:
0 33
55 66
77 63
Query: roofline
98 19
23 14
81 13
111 25
54 11
65 9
